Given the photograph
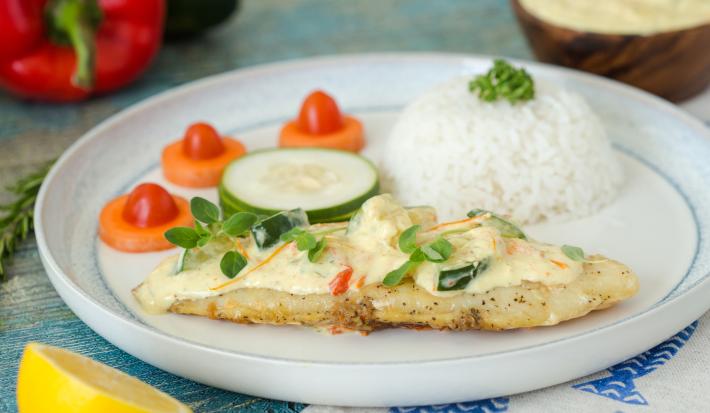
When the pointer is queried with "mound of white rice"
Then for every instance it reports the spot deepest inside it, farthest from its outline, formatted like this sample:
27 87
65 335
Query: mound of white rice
545 158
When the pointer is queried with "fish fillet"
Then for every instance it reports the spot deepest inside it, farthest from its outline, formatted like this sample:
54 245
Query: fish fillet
602 284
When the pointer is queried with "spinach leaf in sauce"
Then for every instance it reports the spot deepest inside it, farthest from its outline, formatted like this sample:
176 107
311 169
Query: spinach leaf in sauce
458 278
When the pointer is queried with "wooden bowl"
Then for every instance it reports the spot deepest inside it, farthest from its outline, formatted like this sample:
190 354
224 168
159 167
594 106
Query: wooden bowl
674 65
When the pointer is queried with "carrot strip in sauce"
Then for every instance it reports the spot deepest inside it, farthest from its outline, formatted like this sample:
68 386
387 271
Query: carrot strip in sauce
560 264
511 248
241 249
360 282
261 264
460 221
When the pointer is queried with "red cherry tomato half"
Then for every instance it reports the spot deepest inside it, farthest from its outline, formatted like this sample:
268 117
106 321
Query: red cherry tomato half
149 205
201 141
320 114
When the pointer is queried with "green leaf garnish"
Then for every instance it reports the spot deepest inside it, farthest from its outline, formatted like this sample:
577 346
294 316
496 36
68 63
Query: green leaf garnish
394 277
201 230
239 223
507 229
305 241
315 253
573 253
291 234
438 251
503 81
408 239
459 278
204 210
232 263
417 256
184 237
204 240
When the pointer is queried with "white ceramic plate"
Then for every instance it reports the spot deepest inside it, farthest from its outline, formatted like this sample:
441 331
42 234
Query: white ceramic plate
658 226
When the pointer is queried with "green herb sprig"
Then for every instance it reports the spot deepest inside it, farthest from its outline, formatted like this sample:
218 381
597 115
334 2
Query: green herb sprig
573 253
306 241
17 217
577 254
503 81
208 227
437 251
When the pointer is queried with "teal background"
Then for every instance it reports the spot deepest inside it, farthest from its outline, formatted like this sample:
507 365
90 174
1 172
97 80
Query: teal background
263 31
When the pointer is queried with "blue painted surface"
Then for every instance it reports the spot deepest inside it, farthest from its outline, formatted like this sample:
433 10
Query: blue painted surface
496 405
621 386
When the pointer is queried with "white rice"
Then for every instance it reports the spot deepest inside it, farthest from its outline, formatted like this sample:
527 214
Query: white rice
546 158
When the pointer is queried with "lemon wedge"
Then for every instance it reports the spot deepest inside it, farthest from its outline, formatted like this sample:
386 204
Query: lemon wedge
55 380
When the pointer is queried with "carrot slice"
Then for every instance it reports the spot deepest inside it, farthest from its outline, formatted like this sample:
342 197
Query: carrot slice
198 173
350 137
115 231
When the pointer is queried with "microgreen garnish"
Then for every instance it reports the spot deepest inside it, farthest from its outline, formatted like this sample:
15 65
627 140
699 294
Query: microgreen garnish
201 230
507 229
209 227
239 223
437 251
315 253
232 263
394 277
305 241
503 81
408 239
204 210
182 237
573 253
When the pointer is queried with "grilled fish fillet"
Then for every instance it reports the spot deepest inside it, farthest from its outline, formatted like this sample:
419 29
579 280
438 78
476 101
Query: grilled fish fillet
602 284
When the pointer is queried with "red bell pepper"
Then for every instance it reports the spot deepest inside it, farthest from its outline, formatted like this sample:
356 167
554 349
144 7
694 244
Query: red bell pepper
66 50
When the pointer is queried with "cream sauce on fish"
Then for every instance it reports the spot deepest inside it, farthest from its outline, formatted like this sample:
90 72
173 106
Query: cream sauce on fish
369 246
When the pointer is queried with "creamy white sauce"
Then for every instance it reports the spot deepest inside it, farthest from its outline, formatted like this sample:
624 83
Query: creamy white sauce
621 16
370 248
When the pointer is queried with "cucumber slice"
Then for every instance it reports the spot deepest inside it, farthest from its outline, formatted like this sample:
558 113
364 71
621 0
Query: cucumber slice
267 233
328 184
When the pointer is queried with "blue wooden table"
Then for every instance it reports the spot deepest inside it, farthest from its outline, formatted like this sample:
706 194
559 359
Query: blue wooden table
264 31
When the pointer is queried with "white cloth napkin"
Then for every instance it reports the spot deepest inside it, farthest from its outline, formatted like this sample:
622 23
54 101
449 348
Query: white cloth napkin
671 377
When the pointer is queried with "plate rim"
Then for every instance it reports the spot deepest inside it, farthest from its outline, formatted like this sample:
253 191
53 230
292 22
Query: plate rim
65 285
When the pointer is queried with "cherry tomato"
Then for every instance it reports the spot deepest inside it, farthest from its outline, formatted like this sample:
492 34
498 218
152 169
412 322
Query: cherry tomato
149 205
320 114
340 284
202 141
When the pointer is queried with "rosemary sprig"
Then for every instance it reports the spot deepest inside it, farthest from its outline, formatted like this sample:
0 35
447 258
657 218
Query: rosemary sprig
16 217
